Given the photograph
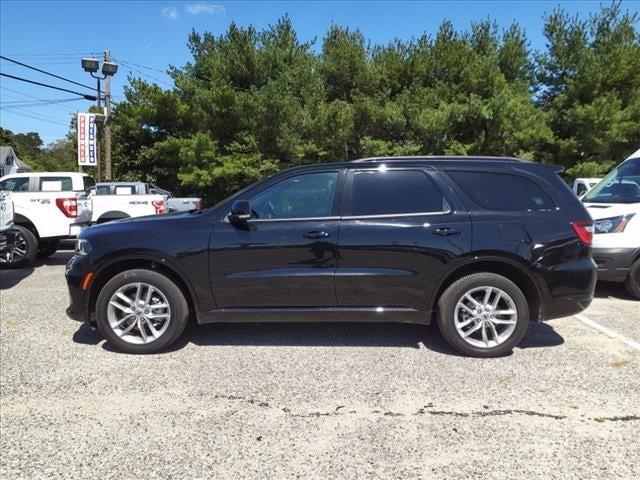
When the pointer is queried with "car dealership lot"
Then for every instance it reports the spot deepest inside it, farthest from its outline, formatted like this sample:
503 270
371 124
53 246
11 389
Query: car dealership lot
313 401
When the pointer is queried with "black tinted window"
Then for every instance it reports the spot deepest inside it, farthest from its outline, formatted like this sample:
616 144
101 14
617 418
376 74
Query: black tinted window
88 182
303 196
497 191
386 192
20 184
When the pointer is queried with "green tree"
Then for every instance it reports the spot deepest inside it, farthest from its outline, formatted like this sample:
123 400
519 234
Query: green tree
589 85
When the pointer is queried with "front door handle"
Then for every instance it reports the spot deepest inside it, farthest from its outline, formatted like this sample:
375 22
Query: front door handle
446 231
316 234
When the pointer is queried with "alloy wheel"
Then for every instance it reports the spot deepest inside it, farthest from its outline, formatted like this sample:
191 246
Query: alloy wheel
485 317
139 313
17 251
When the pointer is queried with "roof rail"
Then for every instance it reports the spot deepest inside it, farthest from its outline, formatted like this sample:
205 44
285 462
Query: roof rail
419 158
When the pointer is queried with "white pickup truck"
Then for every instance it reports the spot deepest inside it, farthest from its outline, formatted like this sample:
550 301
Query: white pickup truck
6 225
48 207
173 204
111 205
583 185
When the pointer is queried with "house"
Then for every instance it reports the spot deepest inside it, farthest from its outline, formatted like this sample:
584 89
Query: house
10 163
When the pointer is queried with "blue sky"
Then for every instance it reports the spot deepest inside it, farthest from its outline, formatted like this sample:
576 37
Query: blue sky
149 36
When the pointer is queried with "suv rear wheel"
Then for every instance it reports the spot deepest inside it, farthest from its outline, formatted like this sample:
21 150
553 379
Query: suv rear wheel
141 311
483 315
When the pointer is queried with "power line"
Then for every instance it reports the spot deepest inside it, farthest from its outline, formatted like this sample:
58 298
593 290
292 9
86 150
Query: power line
45 72
53 54
22 94
35 103
40 118
146 74
86 97
138 65
66 62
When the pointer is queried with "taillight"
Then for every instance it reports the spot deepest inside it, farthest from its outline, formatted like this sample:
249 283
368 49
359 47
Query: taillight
68 206
159 206
197 205
584 231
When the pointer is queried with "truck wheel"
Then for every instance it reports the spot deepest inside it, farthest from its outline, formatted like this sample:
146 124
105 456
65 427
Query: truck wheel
46 248
633 281
141 311
22 248
483 315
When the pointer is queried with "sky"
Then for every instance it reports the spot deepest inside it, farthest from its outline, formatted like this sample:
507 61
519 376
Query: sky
145 37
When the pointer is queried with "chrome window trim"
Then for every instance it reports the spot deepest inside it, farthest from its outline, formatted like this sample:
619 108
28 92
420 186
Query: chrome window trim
350 217
294 219
395 215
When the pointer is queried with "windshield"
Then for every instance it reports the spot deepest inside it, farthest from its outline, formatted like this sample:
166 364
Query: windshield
622 185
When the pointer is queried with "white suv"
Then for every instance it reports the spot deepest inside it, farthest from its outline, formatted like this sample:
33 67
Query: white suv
614 204
48 207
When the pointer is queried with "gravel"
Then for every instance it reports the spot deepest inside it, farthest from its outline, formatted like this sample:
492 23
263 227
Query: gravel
311 401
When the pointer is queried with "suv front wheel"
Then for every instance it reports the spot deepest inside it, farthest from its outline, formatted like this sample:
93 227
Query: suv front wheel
483 315
141 311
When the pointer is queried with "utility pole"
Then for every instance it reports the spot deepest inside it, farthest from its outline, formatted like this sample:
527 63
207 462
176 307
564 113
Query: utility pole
91 66
107 123
99 166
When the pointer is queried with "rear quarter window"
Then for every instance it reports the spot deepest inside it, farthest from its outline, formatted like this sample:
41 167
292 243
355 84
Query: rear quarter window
502 191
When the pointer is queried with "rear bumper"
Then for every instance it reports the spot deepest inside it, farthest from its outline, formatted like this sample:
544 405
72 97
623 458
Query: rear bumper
614 264
571 288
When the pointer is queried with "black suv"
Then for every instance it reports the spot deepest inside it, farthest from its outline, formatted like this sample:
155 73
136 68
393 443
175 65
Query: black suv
480 245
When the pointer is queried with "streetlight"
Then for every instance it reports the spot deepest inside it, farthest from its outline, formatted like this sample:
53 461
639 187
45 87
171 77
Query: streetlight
109 69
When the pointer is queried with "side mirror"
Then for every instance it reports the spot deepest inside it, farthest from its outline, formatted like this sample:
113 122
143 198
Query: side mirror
240 211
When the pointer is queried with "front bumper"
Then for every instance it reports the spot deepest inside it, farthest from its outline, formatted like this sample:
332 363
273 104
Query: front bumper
614 264
77 268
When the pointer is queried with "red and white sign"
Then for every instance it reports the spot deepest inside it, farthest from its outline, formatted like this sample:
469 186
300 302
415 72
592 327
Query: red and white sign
87 140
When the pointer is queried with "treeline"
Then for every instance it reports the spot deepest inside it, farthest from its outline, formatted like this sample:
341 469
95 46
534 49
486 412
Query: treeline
60 155
251 102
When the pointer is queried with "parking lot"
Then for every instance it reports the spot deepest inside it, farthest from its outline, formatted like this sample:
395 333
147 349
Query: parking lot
314 401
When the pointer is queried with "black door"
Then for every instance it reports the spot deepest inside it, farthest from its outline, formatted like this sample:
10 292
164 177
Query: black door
285 255
396 236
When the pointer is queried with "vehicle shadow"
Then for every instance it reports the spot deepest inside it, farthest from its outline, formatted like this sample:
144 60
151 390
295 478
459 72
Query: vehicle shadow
541 335
324 335
612 290
9 278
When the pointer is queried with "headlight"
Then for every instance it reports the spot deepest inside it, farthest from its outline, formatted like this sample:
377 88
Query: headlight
613 224
83 247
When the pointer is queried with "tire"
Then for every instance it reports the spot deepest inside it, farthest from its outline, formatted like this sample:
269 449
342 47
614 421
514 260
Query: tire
23 250
632 283
165 290
454 319
47 248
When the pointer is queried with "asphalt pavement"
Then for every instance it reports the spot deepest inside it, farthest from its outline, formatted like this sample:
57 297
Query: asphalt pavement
326 401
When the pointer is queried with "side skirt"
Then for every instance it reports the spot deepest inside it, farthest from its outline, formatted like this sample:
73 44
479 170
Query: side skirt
314 314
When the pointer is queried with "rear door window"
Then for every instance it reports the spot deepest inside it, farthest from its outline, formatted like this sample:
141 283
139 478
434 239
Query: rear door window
391 192
55 184
504 192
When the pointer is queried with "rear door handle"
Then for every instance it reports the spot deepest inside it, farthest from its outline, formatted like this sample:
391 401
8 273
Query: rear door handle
446 231
316 234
